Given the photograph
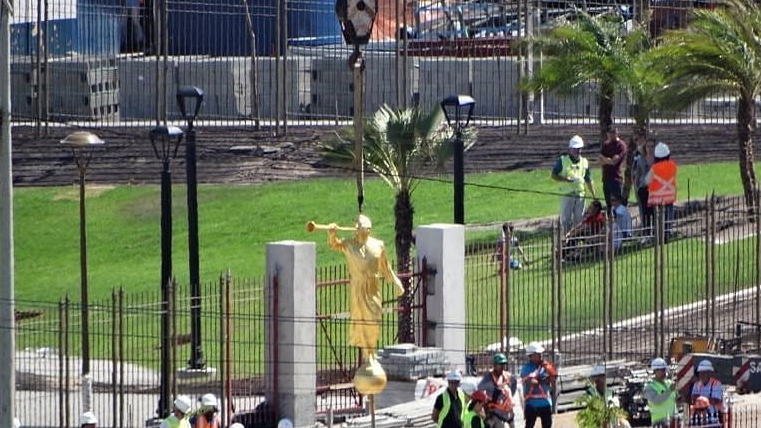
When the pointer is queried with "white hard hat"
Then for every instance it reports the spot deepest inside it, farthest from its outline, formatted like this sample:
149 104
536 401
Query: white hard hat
598 370
705 366
661 150
576 142
454 375
534 348
284 423
16 423
658 364
237 425
182 403
208 400
468 386
87 418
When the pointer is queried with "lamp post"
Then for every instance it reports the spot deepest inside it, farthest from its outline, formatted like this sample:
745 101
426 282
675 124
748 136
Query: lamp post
356 18
197 360
165 141
81 144
455 108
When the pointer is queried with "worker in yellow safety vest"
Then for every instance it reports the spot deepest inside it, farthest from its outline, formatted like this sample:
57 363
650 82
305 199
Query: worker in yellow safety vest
661 184
661 397
449 405
572 171
178 418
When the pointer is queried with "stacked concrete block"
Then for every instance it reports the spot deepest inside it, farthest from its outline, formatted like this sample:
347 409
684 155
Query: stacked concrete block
83 88
408 362
24 88
441 77
226 83
332 84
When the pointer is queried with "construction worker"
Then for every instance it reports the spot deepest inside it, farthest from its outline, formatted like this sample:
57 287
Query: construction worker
661 184
474 415
572 170
599 388
178 418
449 405
709 387
88 420
499 387
660 393
207 416
538 378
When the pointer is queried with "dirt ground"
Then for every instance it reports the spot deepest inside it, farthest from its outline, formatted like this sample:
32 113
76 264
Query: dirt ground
245 156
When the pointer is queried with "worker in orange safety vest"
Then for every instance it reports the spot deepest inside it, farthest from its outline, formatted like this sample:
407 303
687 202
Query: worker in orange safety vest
539 380
661 184
499 387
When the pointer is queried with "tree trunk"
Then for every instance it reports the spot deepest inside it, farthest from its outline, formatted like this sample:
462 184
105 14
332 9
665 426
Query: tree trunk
403 213
605 112
640 127
746 123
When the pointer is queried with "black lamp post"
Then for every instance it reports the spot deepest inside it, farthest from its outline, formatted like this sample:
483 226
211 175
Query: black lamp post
165 141
81 142
197 360
458 109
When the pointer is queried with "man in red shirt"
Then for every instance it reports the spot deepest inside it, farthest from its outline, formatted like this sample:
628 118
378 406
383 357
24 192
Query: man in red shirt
612 156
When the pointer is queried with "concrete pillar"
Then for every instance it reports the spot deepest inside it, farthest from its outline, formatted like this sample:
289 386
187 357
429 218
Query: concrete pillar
291 341
443 245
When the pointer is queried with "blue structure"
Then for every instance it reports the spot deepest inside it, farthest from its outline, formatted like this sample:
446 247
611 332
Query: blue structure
87 27
218 27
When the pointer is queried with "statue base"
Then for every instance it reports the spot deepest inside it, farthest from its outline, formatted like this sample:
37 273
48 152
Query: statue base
370 378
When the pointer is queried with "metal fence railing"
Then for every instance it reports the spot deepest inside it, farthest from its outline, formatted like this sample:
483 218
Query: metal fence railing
593 300
283 62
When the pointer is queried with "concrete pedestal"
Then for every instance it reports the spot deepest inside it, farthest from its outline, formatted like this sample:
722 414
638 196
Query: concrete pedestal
443 245
291 334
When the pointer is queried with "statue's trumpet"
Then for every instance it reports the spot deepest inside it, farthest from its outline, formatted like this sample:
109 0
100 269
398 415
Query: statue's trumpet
312 226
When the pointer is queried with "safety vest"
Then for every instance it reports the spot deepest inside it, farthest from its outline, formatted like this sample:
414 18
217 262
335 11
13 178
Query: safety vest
662 188
665 410
712 383
576 171
448 403
173 422
505 403
201 422
539 391
467 418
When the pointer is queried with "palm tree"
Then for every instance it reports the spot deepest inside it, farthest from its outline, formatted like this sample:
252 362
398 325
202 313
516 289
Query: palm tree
602 50
718 53
396 144
588 49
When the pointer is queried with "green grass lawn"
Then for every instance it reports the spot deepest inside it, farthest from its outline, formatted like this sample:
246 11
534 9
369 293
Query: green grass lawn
236 222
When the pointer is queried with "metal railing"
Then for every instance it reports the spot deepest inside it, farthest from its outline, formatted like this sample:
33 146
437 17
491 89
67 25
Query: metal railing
283 62
593 300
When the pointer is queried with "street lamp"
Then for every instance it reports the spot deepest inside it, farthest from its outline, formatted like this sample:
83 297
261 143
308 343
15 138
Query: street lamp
81 143
455 108
197 360
165 141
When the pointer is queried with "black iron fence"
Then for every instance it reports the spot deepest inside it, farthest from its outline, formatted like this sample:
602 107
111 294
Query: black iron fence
602 296
283 62
125 348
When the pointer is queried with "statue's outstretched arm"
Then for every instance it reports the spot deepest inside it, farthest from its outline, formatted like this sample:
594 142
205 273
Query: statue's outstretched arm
334 242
